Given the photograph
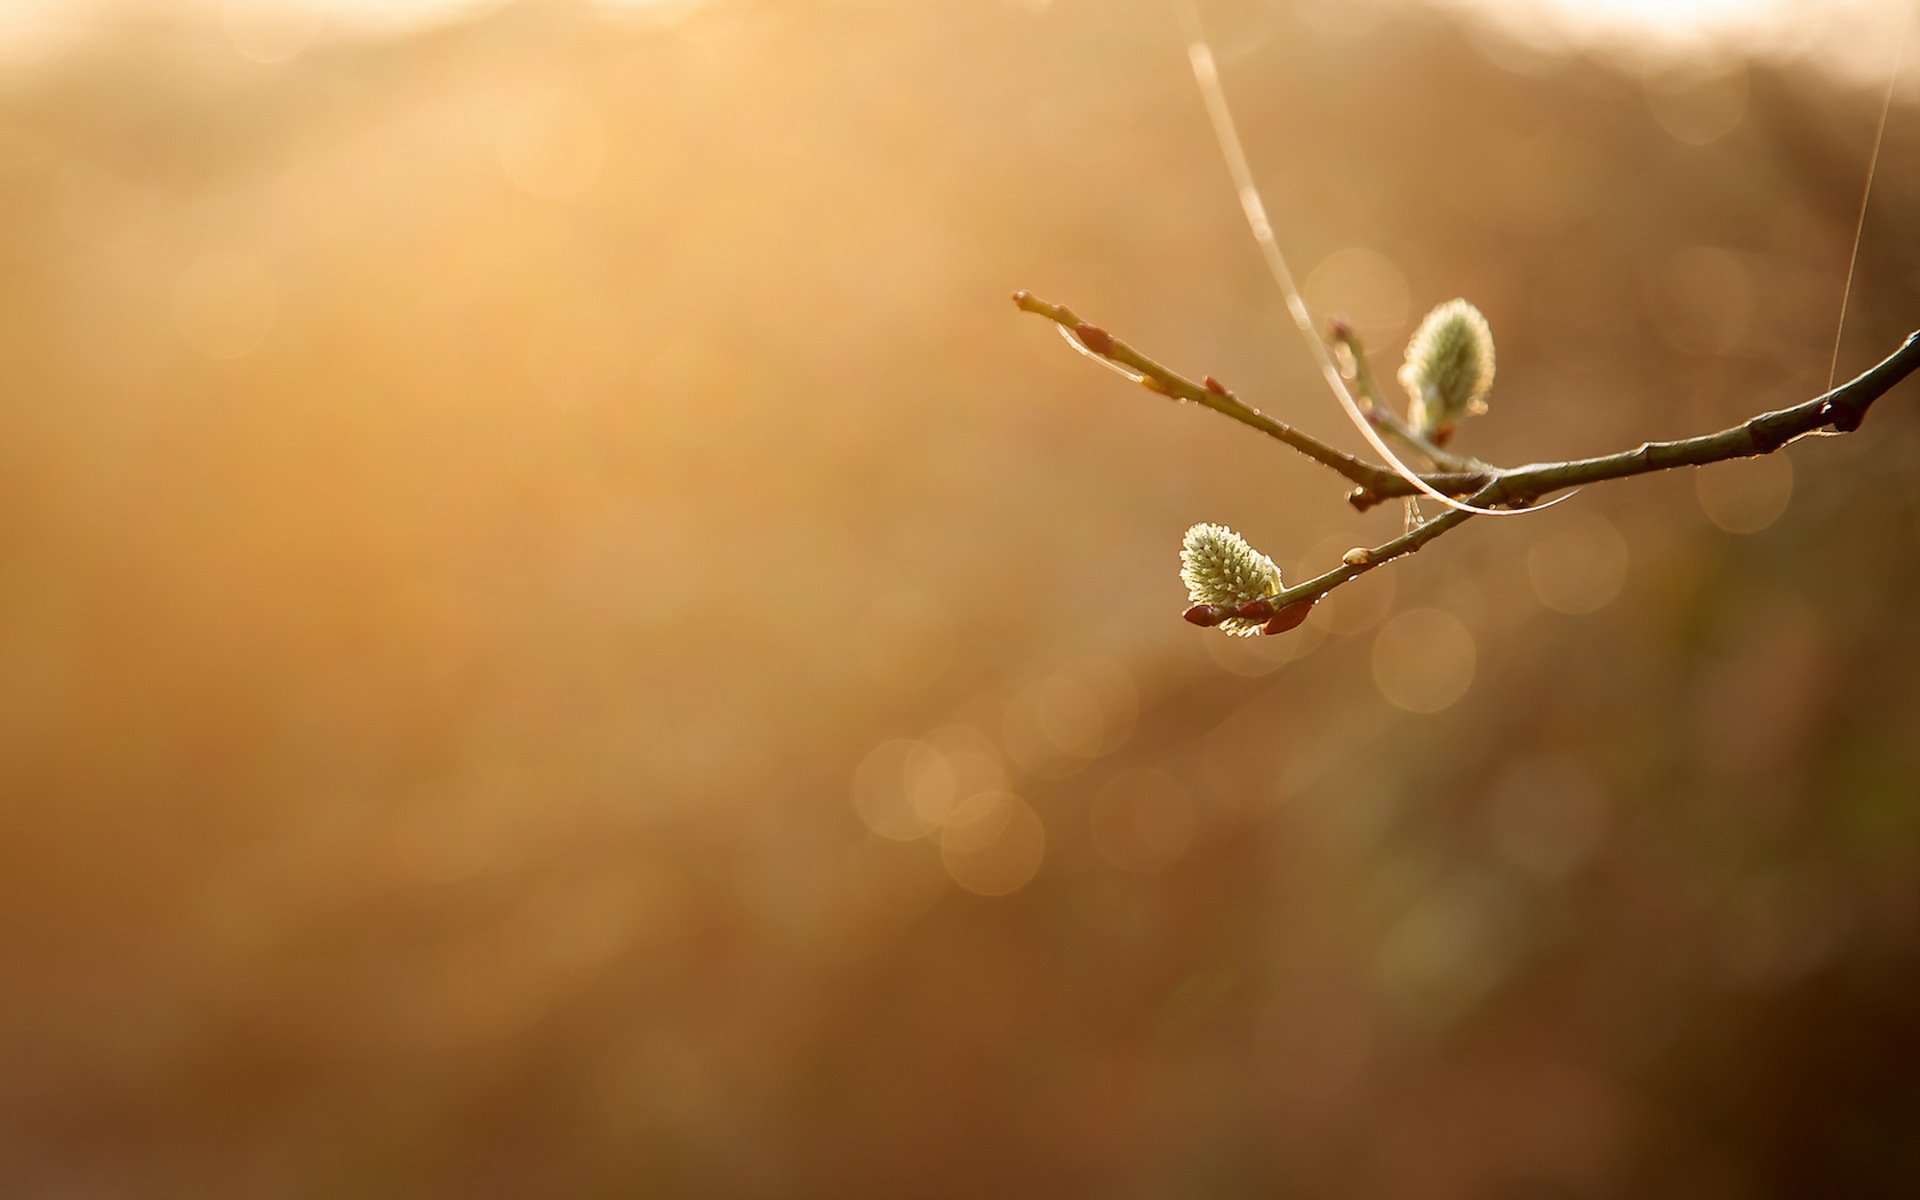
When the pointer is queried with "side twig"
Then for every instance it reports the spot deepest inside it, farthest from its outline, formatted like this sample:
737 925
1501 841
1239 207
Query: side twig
1210 394
1384 417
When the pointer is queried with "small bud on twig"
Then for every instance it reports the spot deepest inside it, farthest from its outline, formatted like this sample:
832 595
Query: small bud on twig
1359 556
1842 421
1094 338
1204 615
1290 617
1216 387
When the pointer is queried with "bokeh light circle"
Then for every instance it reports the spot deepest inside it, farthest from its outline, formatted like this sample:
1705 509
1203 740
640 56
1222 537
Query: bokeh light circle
1078 712
902 788
1745 495
993 844
1579 565
1423 660
1698 101
1363 286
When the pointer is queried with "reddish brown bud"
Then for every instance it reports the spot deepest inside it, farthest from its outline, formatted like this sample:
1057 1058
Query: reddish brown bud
1339 330
1094 338
1204 615
1216 387
1255 610
1442 436
1843 418
1289 617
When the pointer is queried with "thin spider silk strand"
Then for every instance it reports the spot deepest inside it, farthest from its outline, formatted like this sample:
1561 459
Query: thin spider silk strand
1207 75
1866 194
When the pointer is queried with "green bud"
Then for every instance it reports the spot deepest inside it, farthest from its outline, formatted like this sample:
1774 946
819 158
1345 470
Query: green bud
1220 568
1449 367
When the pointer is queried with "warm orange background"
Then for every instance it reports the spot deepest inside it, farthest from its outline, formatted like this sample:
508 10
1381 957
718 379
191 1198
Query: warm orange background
562 638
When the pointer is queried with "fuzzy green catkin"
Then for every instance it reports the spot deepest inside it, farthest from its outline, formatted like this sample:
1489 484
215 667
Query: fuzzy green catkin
1219 567
1449 366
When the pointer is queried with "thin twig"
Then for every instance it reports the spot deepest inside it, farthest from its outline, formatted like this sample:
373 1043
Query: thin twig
1217 397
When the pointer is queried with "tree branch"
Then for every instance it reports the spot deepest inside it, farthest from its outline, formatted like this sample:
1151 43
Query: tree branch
1842 410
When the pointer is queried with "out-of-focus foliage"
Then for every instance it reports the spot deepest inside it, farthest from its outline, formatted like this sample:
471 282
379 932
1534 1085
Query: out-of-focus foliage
561 638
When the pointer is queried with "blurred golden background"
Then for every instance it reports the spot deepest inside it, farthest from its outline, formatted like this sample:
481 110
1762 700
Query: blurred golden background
562 637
